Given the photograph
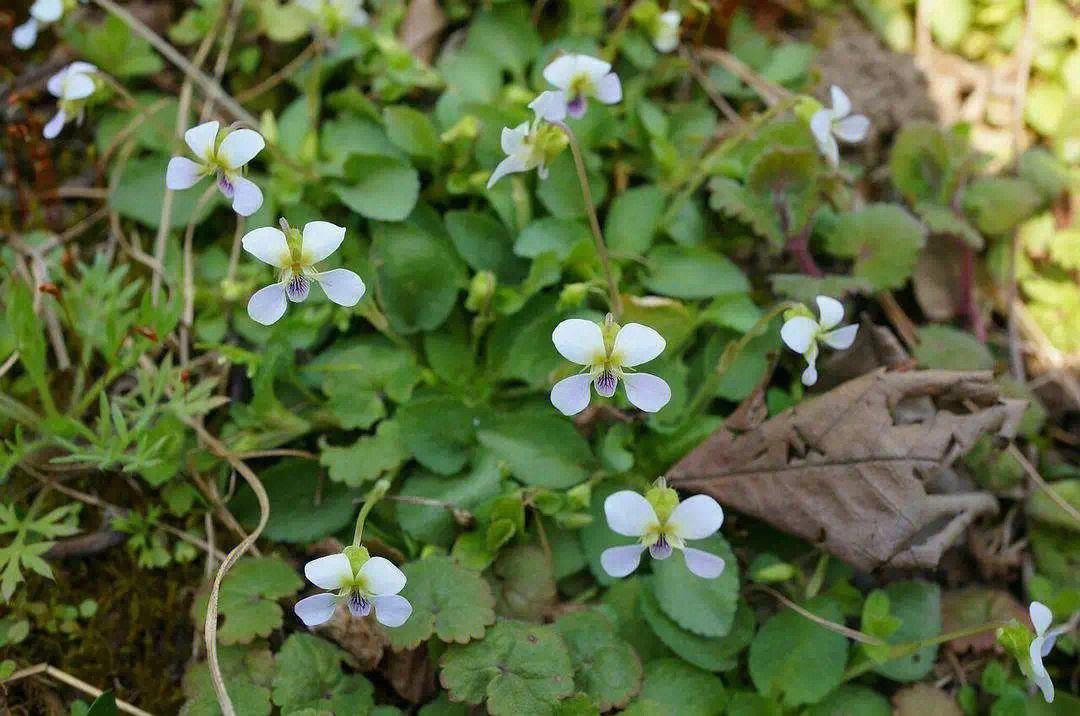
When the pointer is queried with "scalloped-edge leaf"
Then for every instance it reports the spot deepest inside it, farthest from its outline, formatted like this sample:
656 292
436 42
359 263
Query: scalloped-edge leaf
606 668
517 669
310 676
710 653
884 240
731 198
248 599
941 220
451 602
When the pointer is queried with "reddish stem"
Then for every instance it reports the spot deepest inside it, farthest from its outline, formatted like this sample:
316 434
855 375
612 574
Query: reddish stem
799 246
968 307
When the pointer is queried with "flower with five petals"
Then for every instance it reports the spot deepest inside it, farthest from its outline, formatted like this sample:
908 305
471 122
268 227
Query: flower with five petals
532 145
581 78
662 524
71 86
224 160
828 125
802 334
1041 644
361 582
606 352
42 12
295 255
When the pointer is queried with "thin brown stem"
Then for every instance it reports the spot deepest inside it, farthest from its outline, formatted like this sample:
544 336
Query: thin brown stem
614 298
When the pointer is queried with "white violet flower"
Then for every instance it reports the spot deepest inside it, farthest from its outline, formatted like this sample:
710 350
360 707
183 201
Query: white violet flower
532 145
295 255
662 524
42 12
581 78
224 160
1041 618
606 352
828 125
802 334
363 583
334 16
665 31
71 86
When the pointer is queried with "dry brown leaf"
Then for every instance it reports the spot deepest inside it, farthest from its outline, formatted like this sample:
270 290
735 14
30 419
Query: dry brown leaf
923 700
360 637
937 278
858 469
411 673
420 30
972 606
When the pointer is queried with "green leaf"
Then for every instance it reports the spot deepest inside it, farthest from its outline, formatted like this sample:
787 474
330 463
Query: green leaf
950 21
919 163
941 220
710 653
693 272
298 512
1043 171
947 348
683 689
918 606
606 668
412 131
505 35
633 219
550 234
248 598
797 660
248 673
852 699
805 288
28 331
448 601
439 431
485 244
787 178
418 276
729 197
104 705
560 193
379 187
884 240
524 586
433 525
114 48
141 190
703 606
1040 506
518 669
540 450
999 204
368 458
310 676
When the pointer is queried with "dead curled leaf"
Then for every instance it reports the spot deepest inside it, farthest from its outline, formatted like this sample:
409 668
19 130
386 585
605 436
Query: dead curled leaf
420 30
919 699
860 469
975 605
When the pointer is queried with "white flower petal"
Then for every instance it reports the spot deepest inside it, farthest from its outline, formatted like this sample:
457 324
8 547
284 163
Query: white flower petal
321 238
182 173
268 304
1041 617
629 513
549 105
831 312
55 125
621 561
561 71
609 89
240 147
247 196
329 572
810 375
851 129
827 146
511 165
697 517
571 395
841 105
647 392
47 10
703 564
82 67
392 610
592 66
342 286
268 245
1038 672
798 333
382 577
316 610
75 85
202 139
636 344
513 139
842 338
25 35
821 127
579 341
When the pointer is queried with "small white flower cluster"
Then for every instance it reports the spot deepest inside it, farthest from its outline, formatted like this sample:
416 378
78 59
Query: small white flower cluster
72 87
532 145
42 13
330 18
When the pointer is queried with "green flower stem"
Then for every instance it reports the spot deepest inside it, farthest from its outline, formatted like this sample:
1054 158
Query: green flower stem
373 496
594 223
899 651
708 388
